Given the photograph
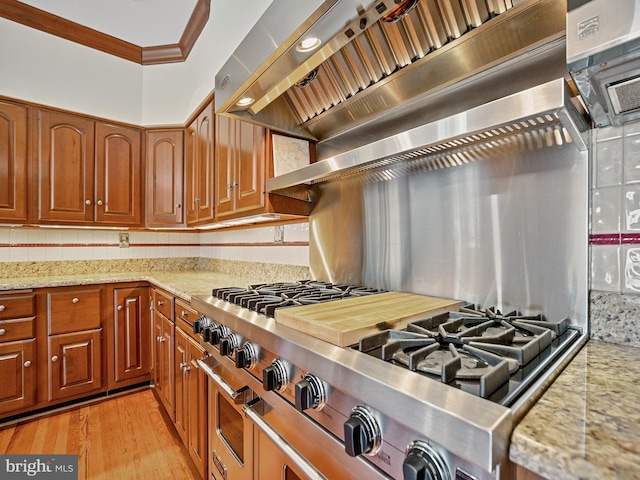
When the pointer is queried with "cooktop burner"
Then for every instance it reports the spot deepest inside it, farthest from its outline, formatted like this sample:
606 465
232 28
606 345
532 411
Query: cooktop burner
481 351
266 298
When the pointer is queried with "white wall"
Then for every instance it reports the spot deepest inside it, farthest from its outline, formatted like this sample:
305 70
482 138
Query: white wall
45 69
42 68
172 92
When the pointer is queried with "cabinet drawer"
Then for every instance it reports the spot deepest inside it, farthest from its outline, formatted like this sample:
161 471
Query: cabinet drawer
16 306
164 304
17 329
74 310
185 312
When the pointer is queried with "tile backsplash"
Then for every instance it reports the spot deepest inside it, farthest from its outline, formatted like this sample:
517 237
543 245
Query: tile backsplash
615 210
250 245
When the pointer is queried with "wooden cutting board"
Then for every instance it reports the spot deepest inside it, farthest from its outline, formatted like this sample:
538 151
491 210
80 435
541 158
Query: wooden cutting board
344 322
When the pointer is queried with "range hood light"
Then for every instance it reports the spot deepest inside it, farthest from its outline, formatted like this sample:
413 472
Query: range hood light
308 45
245 101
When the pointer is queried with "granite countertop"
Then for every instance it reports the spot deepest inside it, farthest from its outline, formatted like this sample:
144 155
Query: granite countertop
587 425
182 284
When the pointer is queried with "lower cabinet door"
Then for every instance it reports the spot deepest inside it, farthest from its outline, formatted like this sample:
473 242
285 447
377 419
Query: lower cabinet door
18 374
75 365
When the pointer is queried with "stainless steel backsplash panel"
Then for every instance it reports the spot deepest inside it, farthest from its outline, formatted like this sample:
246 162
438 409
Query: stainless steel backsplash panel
509 229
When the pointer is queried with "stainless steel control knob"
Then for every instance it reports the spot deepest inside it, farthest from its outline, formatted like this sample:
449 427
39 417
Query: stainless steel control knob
310 393
229 343
423 462
276 376
247 356
362 434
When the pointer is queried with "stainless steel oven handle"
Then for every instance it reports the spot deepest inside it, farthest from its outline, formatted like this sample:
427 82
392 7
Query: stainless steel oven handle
299 461
236 395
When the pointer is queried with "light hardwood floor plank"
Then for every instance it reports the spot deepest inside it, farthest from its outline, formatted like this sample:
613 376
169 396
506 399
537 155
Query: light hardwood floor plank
126 437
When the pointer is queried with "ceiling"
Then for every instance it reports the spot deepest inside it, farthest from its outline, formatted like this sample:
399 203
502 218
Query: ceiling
143 31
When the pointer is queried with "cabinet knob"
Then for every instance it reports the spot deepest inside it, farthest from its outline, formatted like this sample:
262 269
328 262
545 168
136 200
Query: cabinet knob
160 303
178 205
119 308
75 300
87 202
27 364
54 358
184 313
161 339
2 307
2 331
99 202
182 365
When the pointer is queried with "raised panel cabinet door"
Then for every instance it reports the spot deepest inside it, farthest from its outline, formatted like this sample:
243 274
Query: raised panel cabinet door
204 163
197 408
132 333
224 170
181 384
165 164
191 173
167 393
65 167
13 162
251 161
17 371
118 175
75 364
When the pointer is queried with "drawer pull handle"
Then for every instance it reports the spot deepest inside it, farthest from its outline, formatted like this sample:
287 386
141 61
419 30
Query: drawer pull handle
75 300
2 331
2 307
27 364
119 308
54 358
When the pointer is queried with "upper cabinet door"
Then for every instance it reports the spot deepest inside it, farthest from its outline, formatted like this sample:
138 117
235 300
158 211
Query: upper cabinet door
252 158
225 145
204 164
199 168
65 168
13 162
118 175
165 163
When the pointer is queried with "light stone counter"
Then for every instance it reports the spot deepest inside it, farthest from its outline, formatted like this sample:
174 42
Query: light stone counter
587 425
182 281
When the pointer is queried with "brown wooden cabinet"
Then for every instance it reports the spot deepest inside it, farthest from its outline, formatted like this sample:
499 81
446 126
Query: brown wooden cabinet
88 172
243 162
199 168
65 167
74 351
163 328
241 155
165 164
131 336
190 387
17 352
13 162
119 187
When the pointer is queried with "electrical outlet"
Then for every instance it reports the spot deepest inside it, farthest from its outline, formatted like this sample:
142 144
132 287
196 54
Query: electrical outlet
124 240
278 234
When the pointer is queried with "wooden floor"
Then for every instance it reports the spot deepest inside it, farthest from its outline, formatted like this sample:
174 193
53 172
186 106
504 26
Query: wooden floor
125 437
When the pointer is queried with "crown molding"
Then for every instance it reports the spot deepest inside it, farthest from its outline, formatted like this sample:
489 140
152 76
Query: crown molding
52 24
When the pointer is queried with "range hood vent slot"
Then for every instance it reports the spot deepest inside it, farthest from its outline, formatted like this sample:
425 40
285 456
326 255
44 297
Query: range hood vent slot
540 117
367 67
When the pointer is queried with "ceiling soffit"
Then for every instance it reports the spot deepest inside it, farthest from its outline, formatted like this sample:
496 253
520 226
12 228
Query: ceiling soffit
153 55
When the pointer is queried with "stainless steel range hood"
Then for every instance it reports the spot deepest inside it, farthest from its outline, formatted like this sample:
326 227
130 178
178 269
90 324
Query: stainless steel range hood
375 78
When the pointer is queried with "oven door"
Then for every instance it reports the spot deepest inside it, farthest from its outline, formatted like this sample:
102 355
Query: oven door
230 431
